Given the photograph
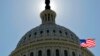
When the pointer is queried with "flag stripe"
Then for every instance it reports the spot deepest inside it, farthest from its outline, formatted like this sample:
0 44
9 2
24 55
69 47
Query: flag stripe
88 43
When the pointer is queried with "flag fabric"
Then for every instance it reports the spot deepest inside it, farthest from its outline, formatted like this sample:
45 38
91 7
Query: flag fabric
87 43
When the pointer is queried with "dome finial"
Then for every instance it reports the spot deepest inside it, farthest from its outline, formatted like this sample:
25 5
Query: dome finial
47 2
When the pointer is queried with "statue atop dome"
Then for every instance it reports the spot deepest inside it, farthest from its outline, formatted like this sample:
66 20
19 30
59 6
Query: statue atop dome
47 2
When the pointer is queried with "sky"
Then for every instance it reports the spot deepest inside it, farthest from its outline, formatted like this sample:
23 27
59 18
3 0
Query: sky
19 16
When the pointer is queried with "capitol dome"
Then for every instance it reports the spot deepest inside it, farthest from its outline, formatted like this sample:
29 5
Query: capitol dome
49 39
48 32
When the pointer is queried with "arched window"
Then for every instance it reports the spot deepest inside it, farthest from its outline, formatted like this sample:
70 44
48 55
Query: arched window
24 55
41 32
47 31
54 31
65 53
29 35
31 54
45 17
39 53
57 52
73 54
35 33
48 17
66 33
52 17
48 52
60 31
24 39
71 35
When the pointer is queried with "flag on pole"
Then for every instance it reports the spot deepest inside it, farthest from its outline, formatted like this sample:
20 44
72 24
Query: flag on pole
87 43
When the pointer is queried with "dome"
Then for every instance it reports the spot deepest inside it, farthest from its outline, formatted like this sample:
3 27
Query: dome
48 31
49 39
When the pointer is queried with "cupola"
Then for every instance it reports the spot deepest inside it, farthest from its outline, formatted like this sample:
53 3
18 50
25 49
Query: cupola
48 16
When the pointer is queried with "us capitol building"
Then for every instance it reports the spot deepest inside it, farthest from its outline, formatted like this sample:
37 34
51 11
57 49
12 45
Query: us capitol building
49 39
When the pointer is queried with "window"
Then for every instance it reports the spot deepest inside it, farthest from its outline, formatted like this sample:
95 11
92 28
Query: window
66 33
45 17
41 32
29 35
24 38
48 52
31 54
35 33
60 31
39 53
73 54
54 31
47 31
57 52
71 35
24 55
65 53
48 17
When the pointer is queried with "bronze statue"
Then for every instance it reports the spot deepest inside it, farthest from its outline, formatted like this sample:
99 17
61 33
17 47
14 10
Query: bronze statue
47 2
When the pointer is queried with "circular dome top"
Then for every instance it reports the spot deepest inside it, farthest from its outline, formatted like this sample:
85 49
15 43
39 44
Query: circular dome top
48 31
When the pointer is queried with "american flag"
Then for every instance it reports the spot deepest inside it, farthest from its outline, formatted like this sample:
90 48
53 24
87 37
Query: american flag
87 43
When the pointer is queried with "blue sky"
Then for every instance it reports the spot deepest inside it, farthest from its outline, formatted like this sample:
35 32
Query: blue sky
19 16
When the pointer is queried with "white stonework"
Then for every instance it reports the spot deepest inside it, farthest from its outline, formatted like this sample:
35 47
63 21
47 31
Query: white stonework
52 37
